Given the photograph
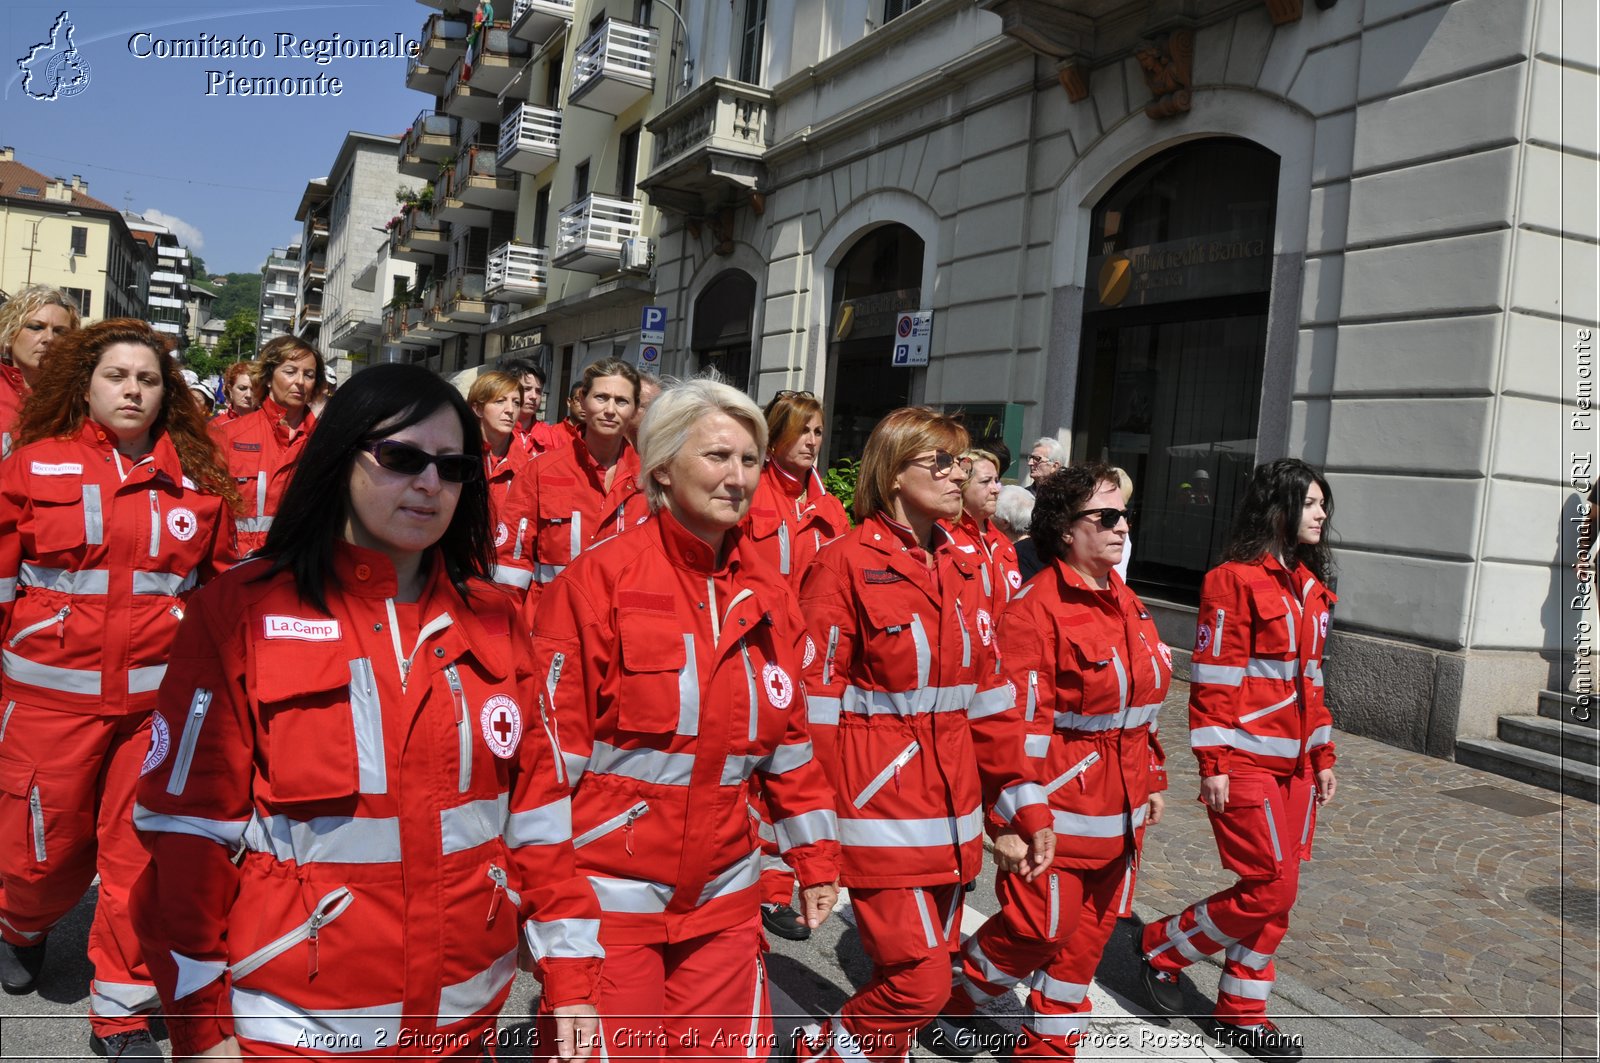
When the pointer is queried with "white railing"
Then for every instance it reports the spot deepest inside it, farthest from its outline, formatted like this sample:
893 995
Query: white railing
615 48
530 128
598 224
518 266
560 8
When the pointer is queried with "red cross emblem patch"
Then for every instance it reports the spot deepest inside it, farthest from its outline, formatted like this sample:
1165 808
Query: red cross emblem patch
501 534
780 688
182 524
501 721
811 653
985 626
160 744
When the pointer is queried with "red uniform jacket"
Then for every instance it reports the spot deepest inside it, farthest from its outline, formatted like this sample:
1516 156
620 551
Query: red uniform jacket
13 393
674 681
384 770
1255 694
501 473
261 458
909 711
1001 574
560 507
95 570
1090 670
786 532
541 437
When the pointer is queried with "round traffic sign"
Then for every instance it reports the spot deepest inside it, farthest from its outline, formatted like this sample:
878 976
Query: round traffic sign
650 353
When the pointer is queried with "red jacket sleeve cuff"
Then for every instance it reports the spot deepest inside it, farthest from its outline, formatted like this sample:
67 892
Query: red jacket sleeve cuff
1323 757
1030 819
816 864
569 981
1211 763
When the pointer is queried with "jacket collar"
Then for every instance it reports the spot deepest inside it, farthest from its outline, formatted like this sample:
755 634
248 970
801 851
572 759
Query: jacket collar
12 376
627 460
792 487
688 551
163 455
275 414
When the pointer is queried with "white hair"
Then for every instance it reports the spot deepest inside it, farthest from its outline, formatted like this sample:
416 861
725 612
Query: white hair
1054 449
666 426
1013 511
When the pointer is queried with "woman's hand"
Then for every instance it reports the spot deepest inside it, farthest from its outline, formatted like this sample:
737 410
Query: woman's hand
1214 792
816 903
1326 785
577 1031
1017 857
1157 804
228 1048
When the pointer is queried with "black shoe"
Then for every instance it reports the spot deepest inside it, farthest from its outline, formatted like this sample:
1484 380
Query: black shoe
953 1037
1264 1041
784 921
1162 987
135 1044
20 966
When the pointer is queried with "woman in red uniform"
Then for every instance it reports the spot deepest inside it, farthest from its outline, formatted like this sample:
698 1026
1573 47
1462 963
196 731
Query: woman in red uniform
114 506
976 532
497 398
671 658
29 323
239 392
261 448
1083 654
575 497
1264 739
791 517
918 729
358 811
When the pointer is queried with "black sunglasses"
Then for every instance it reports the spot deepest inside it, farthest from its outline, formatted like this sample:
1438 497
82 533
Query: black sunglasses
408 460
1108 518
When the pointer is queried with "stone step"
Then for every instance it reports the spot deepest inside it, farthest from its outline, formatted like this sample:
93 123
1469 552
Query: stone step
1568 740
1559 705
1532 766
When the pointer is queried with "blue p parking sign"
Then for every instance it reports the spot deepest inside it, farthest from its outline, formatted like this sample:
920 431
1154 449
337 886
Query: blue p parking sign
653 325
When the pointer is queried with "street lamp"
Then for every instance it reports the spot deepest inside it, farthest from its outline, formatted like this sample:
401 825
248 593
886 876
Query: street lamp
33 240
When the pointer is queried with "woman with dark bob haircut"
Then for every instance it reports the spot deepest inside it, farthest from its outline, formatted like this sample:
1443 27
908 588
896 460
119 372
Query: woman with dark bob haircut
1084 655
1264 738
354 713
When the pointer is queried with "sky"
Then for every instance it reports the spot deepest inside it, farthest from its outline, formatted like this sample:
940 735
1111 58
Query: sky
226 172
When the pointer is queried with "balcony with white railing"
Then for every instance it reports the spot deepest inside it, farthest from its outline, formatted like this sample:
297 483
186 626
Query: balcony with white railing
430 140
592 232
530 139
517 273
417 237
709 146
615 68
459 301
535 20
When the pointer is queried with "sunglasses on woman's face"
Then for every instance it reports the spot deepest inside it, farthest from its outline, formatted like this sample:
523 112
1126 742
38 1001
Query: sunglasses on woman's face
408 460
942 462
1108 518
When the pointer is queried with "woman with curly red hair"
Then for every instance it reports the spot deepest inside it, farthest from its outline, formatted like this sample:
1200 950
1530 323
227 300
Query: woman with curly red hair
113 508
239 392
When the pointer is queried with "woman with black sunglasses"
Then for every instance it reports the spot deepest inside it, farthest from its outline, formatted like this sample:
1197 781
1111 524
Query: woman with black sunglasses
352 806
1084 656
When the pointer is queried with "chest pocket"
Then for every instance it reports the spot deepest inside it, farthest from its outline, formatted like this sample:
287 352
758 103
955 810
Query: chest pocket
902 635
66 514
658 683
1272 634
323 717
1087 666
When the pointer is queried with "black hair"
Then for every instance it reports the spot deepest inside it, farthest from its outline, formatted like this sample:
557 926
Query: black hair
997 446
1060 495
315 505
1268 518
521 367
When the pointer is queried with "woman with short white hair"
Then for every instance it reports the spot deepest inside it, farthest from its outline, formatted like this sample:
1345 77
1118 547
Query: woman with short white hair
1013 515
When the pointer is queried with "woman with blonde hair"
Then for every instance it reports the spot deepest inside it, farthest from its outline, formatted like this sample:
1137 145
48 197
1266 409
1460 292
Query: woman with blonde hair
977 534
496 399
917 728
29 324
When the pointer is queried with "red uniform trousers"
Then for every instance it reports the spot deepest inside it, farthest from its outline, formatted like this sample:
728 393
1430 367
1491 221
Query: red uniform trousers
1049 932
909 933
1262 836
66 813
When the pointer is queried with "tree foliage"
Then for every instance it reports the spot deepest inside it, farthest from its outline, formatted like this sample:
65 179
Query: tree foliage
242 292
238 339
840 480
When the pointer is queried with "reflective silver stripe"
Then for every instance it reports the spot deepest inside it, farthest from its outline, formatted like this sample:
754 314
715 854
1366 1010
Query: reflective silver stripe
919 637
890 770
844 1043
740 876
911 833
472 824
1204 925
1015 798
808 828
169 584
330 907
1201 737
783 549
1313 673
1033 695
1072 773
94 529
645 765
1320 737
1272 830
563 938
194 975
146 680
507 576
1122 679
366 713
833 648
576 533
8 589
516 548
989 702
272 1020
252 525
1055 907
1113 826
1217 674
1269 710
36 816
546 573
225 832
66 680
987 971
689 689
325 839
929 935
11 706
966 638
575 764
1056 1025
1216 644
66 581
1036 745
638 896
787 758
565 772
476 994
738 767
5 444
1240 987
1093 723
822 711
1291 607
1263 668
924 699
261 494
622 819
988 588
1057 990
546 825
752 1040
1248 957
118 999
749 681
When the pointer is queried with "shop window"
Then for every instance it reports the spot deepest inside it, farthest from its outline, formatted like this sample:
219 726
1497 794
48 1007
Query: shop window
724 315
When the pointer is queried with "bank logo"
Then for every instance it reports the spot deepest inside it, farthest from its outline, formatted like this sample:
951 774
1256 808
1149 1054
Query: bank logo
55 68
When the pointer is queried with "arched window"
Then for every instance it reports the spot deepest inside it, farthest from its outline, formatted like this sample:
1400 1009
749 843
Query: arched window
723 316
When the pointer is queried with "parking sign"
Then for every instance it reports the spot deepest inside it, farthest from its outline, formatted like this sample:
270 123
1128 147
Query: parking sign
653 325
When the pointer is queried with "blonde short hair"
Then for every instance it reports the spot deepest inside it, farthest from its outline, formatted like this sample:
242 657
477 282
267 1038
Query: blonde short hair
666 426
1124 484
28 302
898 438
490 386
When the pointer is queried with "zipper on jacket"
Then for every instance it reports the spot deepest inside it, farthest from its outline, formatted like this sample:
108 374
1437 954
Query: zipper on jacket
550 726
1216 645
327 910
1055 907
890 772
1155 666
1305 832
36 814
1272 830
498 876
1270 709
516 549
622 820
6 719
199 705
32 629
1033 693
155 524
833 648
1072 773
966 637
750 683
176 611
463 729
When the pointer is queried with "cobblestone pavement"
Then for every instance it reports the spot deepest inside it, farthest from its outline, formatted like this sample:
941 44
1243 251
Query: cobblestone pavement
1465 928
